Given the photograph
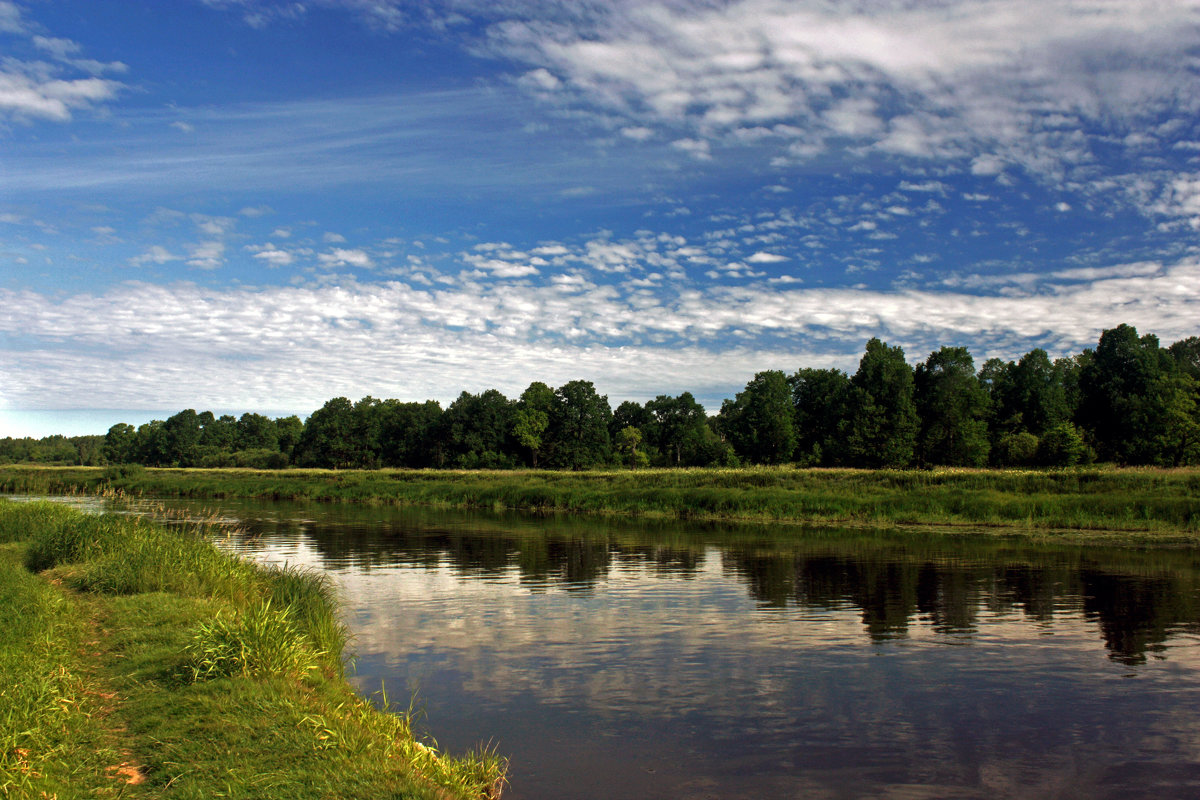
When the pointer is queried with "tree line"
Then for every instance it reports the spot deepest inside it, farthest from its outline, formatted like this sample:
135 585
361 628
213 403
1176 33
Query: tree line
1127 401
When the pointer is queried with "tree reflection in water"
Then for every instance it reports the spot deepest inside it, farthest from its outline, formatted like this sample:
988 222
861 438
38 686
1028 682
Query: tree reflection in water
1138 597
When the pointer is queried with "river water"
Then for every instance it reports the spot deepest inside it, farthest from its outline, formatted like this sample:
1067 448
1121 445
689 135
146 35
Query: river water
655 660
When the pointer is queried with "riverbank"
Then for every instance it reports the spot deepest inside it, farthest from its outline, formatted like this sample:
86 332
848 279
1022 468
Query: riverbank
1135 500
141 661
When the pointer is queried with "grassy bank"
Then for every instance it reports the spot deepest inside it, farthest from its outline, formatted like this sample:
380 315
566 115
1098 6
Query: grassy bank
139 661
1139 499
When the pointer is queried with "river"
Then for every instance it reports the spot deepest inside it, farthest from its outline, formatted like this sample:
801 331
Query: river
668 660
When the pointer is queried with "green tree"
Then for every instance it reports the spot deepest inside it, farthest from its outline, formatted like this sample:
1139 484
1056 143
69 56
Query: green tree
758 422
183 432
629 415
288 431
475 430
152 444
952 406
1186 354
326 440
120 444
217 434
1177 440
255 432
409 434
1063 445
531 421
1039 393
89 450
579 426
880 428
677 426
365 430
628 440
529 426
1120 407
818 403
1004 416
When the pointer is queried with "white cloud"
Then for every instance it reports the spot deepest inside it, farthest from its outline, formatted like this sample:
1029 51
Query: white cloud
28 95
59 48
925 186
275 257
766 258
339 257
1180 198
986 165
502 267
156 254
275 347
10 18
953 79
40 90
541 79
214 226
606 256
206 255
696 148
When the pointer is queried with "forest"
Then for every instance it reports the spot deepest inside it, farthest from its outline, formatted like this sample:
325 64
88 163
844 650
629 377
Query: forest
1128 401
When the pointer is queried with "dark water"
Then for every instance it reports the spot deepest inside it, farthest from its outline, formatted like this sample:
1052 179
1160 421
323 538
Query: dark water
675 661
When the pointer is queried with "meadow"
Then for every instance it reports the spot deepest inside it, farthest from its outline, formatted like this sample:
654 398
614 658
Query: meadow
1141 500
142 661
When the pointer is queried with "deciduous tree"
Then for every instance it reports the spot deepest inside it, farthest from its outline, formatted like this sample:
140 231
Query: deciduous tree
880 429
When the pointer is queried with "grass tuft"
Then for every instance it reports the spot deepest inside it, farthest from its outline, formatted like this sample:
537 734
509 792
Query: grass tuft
260 641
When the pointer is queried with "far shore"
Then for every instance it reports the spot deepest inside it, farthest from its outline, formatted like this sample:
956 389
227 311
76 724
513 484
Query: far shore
1151 503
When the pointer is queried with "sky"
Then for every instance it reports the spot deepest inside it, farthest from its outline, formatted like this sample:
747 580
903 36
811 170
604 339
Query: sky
256 205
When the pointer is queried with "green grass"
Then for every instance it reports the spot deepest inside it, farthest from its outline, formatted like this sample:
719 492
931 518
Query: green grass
1144 500
199 674
51 740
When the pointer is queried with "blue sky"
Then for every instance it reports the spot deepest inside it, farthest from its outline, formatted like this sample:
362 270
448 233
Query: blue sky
247 205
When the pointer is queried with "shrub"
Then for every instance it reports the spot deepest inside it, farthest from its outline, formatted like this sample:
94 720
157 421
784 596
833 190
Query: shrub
1016 450
1063 446
116 472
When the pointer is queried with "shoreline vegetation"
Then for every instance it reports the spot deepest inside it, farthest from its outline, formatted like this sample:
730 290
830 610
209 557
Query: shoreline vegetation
1143 502
142 661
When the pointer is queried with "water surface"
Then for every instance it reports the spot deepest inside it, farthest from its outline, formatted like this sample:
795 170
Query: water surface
656 660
